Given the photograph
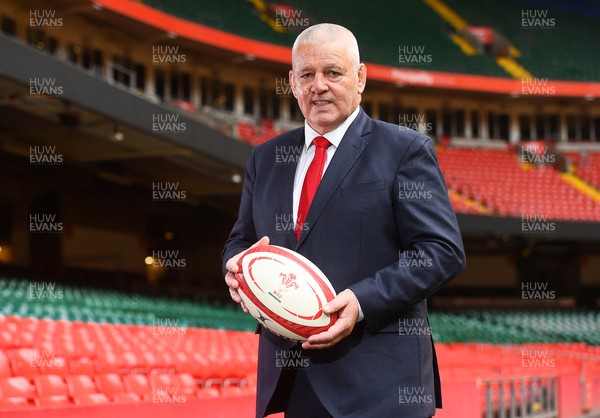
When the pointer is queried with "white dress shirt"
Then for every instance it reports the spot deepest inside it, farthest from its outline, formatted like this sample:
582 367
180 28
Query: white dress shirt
307 155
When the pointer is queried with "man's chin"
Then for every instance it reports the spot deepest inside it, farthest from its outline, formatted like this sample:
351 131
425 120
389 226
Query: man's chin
323 124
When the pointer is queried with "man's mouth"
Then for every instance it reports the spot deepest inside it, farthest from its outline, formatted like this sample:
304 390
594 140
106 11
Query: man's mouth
320 102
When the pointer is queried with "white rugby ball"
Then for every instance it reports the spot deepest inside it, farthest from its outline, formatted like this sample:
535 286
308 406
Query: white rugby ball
285 292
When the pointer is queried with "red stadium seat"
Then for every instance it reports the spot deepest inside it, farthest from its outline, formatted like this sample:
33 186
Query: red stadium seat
81 365
23 362
184 363
128 397
14 403
56 366
251 380
80 385
91 399
16 387
5 370
208 393
110 384
148 360
164 383
108 364
7 339
186 383
161 379
139 384
128 361
247 390
25 338
166 361
53 401
50 385
204 370
232 391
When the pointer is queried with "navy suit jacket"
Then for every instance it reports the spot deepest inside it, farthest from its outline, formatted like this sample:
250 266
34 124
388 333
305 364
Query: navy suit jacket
381 224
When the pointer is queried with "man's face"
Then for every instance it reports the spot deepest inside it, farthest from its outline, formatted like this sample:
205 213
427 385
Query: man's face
326 84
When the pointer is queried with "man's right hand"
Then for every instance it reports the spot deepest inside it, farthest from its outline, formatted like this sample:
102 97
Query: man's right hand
232 270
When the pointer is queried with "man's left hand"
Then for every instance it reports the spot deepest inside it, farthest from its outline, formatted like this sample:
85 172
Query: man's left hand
346 305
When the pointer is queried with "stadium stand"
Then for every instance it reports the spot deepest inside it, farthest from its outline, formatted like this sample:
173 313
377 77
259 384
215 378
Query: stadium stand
516 327
205 363
76 304
497 180
465 205
171 318
417 23
547 52
587 167
255 135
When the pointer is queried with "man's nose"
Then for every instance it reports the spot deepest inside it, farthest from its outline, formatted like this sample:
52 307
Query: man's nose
319 84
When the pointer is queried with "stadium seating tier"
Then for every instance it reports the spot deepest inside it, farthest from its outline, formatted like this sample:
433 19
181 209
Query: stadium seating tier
499 181
381 32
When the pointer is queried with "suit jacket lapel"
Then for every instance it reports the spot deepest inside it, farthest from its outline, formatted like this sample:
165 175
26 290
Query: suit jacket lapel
351 147
286 175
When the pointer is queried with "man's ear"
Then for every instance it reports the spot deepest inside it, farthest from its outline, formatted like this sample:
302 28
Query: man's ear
362 78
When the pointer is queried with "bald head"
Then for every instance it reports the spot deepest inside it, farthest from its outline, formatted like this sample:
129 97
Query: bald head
328 33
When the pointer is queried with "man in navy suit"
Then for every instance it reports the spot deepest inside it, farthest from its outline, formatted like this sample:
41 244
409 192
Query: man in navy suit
379 225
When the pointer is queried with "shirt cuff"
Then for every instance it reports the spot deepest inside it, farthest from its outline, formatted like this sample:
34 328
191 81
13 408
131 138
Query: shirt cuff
361 316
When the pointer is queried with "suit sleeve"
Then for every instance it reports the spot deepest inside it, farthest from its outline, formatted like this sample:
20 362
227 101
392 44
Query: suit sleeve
431 252
243 234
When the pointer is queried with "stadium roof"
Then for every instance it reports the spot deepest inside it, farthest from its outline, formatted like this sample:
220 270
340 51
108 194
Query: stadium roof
243 27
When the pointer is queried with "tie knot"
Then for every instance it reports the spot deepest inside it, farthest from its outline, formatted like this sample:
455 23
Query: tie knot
321 142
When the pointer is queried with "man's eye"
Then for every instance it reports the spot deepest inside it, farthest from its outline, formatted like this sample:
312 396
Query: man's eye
307 75
334 73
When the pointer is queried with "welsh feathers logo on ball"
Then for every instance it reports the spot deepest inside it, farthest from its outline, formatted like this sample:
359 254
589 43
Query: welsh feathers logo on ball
285 292
288 281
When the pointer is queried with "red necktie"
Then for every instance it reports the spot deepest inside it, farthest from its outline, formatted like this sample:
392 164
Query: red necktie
311 181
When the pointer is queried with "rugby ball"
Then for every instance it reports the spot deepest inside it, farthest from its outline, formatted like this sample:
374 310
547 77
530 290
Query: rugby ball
285 292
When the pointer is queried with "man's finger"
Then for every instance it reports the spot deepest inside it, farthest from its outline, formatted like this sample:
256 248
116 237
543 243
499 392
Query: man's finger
235 295
233 276
337 303
307 345
237 299
232 281
232 263
334 305
263 241
330 337
331 334
344 304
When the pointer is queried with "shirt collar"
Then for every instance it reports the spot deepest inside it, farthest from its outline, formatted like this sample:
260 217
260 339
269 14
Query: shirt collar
335 136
